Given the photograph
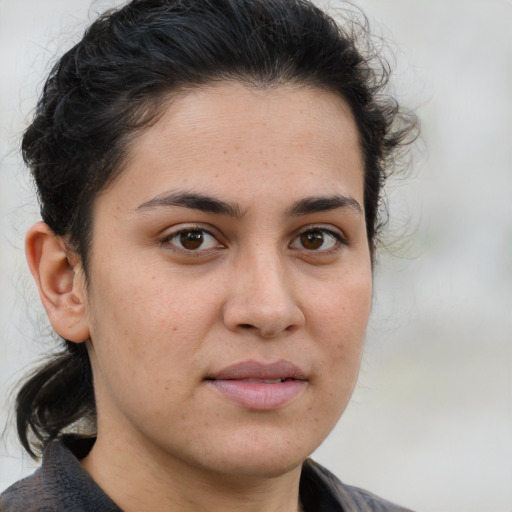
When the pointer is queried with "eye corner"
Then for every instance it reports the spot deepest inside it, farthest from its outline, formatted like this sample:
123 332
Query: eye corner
191 240
319 240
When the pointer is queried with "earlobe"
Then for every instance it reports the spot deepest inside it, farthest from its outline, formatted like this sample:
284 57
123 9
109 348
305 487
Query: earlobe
60 281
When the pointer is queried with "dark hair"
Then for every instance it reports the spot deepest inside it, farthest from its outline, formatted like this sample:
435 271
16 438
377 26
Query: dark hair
114 83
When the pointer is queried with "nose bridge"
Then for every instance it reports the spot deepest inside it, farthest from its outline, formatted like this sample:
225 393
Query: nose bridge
263 296
267 275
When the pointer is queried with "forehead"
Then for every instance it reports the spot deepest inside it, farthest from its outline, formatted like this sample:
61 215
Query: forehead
230 138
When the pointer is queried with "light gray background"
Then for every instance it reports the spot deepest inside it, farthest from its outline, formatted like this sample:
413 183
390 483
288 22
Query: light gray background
430 423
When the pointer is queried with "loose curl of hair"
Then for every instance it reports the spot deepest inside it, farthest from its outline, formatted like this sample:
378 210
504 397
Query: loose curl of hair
116 82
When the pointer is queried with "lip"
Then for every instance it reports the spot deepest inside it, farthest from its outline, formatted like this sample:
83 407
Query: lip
247 384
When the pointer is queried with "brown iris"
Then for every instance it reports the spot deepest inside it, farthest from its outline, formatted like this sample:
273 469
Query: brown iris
312 240
191 239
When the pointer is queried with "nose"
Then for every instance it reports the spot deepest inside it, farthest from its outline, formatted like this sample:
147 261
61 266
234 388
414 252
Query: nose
262 298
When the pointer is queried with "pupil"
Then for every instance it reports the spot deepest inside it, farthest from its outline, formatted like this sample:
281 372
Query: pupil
312 240
191 239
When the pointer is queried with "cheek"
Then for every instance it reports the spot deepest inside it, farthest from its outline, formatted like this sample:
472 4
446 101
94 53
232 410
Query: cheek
141 324
145 344
341 316
343 304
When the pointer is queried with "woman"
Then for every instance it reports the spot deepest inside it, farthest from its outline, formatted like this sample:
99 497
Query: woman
209 175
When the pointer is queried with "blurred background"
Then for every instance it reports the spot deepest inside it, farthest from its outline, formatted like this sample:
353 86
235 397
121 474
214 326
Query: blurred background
430 423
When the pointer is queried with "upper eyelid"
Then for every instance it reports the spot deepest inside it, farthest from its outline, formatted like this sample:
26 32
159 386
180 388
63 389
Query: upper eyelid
330 229
166 238
173 231
341 241
169 233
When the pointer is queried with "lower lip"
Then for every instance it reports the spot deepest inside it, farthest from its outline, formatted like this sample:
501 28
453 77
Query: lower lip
259 396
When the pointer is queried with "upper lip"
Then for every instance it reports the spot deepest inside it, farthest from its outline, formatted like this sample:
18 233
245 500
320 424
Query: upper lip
259 370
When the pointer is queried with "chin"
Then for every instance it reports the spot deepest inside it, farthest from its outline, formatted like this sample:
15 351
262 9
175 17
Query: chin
260 467
261 455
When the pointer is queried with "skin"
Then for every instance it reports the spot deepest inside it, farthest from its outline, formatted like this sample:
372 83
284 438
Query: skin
160 319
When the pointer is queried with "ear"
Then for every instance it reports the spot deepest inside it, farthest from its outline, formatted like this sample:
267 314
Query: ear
60 280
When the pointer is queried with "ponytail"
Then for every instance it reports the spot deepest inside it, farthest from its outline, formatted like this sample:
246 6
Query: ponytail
55 396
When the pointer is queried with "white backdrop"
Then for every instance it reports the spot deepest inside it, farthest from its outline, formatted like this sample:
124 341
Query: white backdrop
430 423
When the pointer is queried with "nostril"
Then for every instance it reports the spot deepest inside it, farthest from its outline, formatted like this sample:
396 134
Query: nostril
247 326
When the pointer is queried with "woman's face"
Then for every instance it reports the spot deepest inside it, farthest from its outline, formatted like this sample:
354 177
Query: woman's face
230 281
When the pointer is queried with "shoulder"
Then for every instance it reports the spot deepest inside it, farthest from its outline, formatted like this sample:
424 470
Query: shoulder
25 496
320 485
60 484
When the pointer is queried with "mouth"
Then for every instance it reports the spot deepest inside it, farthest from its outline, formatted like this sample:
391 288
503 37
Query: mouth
259 386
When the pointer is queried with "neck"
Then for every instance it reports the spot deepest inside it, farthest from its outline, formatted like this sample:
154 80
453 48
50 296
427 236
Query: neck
143 480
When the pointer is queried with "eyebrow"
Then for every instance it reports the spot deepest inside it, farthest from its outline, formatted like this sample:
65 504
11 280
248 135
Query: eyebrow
311 205
196 201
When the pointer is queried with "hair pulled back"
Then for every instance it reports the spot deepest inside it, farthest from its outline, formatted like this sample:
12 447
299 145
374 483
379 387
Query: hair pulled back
115 82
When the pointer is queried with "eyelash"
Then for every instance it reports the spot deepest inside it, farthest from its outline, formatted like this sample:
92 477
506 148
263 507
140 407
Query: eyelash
339 240
190 229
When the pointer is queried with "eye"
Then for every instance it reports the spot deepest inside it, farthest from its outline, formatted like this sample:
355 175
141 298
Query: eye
192 240
317 239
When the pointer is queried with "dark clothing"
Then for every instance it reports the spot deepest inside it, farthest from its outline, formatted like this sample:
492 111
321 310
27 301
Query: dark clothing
62 485
321 491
